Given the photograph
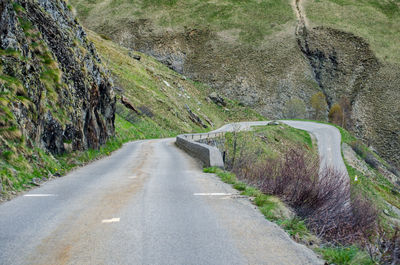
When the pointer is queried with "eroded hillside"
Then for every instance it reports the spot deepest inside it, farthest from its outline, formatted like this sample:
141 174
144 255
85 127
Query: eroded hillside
250 51
346 65
56 96
55 92
60 109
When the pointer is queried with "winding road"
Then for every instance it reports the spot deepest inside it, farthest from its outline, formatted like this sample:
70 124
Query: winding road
147 203
328 139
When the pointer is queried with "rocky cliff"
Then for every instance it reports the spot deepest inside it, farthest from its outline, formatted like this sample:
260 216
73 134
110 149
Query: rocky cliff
252 51
345 67
55 93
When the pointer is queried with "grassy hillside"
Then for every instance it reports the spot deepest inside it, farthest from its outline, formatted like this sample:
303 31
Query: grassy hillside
162 95
159 95
377 21
250 51
239 21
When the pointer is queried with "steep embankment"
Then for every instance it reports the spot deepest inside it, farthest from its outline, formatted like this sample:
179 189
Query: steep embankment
160 102
248 51
56 97
55 94
347 69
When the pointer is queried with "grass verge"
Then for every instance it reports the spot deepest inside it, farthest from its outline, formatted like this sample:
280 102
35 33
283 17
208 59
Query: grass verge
33 166
270 206
276 211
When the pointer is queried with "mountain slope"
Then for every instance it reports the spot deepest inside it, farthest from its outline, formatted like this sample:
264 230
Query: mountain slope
58 102
245 49
166 102
248 50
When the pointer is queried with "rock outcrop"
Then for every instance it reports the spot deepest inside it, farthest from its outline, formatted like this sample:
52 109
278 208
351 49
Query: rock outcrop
55 93
217 99
194 117
345 67
129 105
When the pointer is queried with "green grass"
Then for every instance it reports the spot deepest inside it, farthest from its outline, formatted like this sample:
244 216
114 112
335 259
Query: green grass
240 186
248 21
265 142
377 21
295 227
148 83
345 255
270 206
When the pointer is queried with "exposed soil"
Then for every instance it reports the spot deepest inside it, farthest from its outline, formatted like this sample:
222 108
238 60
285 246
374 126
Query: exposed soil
294 62
344 66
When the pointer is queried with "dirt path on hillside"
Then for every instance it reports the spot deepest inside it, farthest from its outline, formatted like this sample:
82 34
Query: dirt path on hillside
302 23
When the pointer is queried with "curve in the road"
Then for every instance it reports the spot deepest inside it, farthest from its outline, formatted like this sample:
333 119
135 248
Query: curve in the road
138 206
328 139
141 206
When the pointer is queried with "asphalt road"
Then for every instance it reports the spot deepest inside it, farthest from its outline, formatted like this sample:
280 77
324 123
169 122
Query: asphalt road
147 203
328 139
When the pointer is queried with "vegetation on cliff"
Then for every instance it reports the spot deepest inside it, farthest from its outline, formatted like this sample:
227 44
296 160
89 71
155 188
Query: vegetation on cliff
252 51
58 102
55 94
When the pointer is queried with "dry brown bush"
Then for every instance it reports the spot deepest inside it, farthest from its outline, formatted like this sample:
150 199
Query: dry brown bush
321 197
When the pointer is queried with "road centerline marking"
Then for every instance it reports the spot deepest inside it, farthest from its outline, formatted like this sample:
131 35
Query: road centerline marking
40 195
112 220
213 194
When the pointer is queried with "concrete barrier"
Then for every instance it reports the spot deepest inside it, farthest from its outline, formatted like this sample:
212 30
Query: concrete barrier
209 155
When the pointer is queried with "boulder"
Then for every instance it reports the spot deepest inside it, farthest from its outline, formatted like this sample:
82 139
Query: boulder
129 105
217 99
194 117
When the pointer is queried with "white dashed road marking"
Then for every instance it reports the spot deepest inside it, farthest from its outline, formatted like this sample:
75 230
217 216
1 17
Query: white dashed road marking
212 194
39 195
112 220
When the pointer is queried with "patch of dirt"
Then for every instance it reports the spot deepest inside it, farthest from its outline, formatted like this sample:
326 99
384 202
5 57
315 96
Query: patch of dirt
343 65
263 77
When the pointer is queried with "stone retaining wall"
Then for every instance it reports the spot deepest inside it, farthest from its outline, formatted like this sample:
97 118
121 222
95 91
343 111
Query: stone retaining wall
209 155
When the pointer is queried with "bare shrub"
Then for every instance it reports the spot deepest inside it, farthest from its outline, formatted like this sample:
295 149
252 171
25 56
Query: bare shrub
321 198
384 248
342 219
